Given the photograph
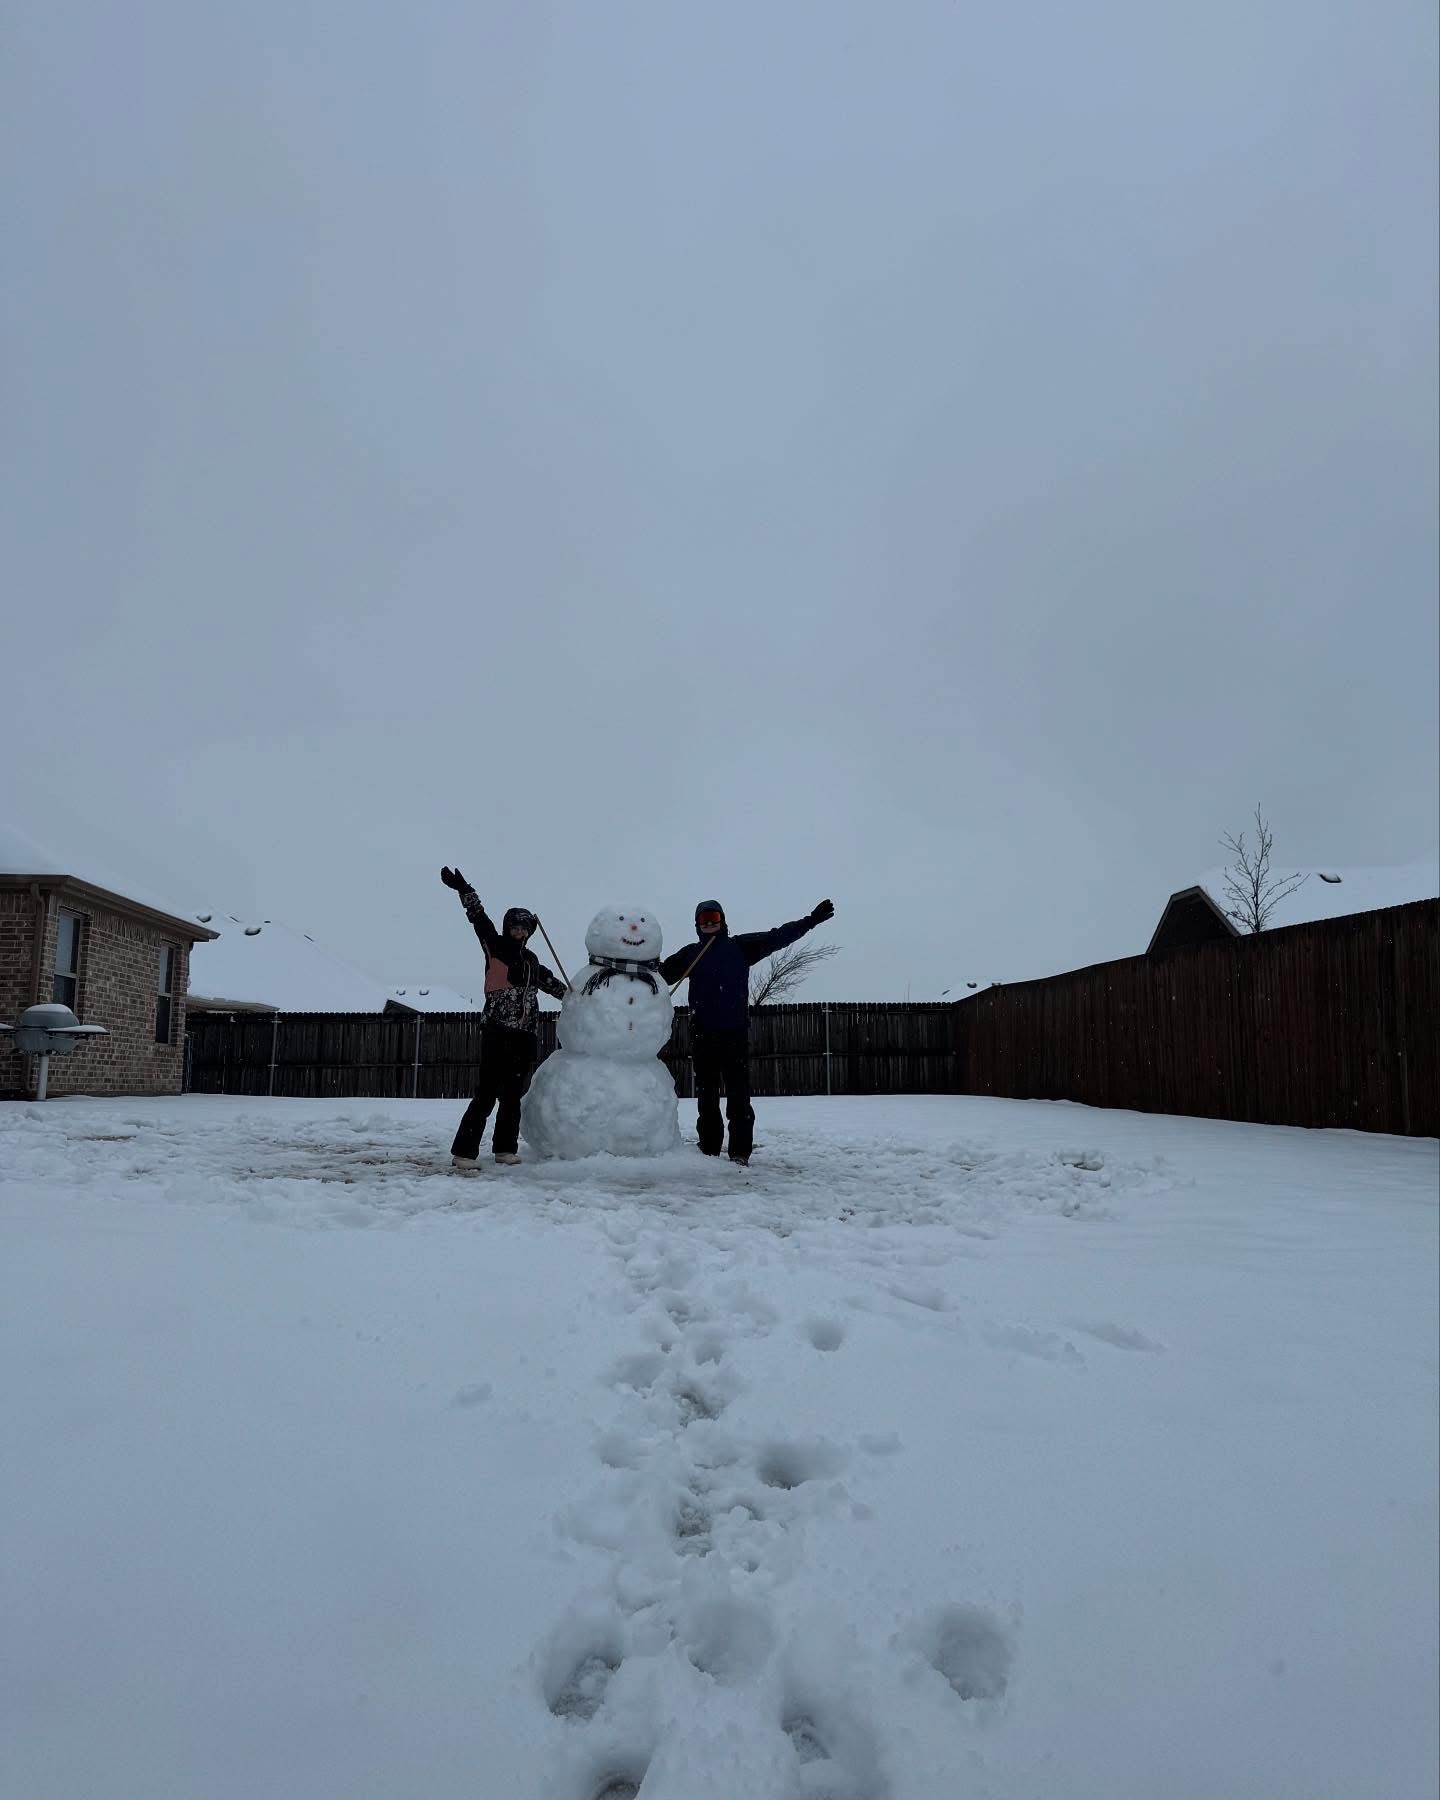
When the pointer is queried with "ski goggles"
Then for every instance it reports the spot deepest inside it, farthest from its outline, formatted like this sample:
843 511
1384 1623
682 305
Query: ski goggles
710 916
525 920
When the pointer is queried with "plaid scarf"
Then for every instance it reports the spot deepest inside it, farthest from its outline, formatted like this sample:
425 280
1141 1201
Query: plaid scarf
620 965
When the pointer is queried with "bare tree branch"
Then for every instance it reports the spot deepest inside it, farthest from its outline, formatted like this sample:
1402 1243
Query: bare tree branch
1252 891
784 972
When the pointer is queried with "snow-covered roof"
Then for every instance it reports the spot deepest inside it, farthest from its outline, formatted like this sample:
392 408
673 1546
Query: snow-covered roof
432 997
268 962
264 962
252 962
1330 893
22 855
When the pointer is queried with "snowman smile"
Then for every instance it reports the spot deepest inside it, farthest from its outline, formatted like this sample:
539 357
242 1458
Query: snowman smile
635 943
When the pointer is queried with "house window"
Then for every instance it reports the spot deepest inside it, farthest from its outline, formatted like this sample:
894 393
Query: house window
164 994
66 986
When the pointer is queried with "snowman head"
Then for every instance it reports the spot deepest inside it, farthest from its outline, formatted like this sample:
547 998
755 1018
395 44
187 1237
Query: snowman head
629 933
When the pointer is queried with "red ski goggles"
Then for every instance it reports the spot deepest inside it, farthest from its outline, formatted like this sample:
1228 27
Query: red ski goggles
711 916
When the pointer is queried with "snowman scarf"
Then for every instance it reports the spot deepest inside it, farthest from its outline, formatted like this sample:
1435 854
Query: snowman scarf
619 965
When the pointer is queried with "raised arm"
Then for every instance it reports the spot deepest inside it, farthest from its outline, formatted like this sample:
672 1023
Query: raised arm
757 945
475 912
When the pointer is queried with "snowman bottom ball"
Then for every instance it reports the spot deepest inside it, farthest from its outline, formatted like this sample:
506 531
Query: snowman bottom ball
582 1105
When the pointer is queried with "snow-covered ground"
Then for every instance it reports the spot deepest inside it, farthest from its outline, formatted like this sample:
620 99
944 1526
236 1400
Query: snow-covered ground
960 1448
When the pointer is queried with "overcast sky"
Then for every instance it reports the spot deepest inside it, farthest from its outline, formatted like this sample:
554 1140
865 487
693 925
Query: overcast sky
952 458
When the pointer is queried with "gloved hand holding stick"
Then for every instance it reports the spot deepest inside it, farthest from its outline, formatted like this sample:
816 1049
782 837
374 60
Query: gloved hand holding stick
694 965
554 952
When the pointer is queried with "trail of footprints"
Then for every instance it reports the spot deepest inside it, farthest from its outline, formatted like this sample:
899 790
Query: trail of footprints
716 1526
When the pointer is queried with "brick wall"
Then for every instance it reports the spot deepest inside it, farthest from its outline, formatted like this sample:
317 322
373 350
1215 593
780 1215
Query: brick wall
17 966
119 966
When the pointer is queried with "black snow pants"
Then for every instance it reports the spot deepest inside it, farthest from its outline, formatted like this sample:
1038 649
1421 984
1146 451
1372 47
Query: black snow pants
723 1057
507 1061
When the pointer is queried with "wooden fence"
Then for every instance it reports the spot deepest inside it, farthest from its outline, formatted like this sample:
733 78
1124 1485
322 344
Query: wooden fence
834 1048
1327 1024
1336 1023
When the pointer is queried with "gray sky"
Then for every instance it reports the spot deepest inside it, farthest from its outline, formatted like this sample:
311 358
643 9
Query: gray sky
954 459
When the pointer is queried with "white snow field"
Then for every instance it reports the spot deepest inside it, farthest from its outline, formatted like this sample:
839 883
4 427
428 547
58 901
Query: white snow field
959 1448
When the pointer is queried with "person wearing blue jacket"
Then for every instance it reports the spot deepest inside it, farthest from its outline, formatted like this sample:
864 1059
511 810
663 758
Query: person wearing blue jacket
719 966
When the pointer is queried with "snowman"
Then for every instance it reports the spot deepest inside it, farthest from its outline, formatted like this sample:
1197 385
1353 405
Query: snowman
604 1088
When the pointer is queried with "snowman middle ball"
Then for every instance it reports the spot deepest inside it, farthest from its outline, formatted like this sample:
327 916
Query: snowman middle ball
619 1005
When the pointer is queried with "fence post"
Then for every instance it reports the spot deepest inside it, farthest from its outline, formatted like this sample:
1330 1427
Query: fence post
274 1043
827 1046
415 1082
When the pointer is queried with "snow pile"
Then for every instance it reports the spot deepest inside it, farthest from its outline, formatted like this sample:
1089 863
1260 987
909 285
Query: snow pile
603 1089
956 1447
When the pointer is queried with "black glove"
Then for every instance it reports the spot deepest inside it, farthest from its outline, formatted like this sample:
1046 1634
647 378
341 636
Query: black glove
825 910
454 879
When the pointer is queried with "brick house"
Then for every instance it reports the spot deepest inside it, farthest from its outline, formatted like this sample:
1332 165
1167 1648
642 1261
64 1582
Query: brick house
115 961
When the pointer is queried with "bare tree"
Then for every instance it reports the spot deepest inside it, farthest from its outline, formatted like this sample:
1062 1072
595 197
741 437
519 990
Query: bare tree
1252 891
784 972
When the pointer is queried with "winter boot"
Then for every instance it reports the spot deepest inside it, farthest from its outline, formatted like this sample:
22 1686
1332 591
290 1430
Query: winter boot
465 1165
507 1157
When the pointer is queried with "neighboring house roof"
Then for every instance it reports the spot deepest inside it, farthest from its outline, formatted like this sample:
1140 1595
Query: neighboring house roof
1331 893
431 997
24 860
1190 917
269 964
1197 914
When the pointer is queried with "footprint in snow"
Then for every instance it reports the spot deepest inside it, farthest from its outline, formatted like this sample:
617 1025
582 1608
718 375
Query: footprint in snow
1024 1340
683 1310
708 1346
583 1653
1122 1337
726 1637
804 1739
789 1463
834 1746
640 1371
692 1527
824 1334
692 1405
583 1692
967 1646
920 1293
